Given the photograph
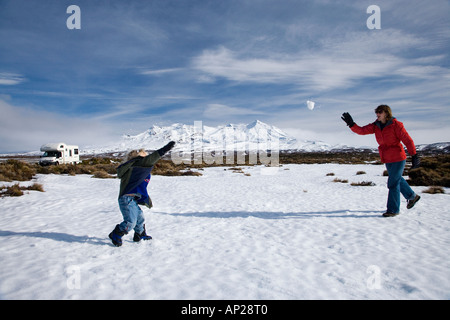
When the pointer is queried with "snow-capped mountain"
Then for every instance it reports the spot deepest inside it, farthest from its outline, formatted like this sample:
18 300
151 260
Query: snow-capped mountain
238 137
439 147
231 137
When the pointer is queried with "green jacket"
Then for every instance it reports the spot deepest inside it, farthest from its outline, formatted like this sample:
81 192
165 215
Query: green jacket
135 171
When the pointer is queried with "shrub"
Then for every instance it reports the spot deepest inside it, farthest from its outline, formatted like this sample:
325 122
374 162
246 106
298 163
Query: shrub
16 190
363 183
434 190
433 171
36 187
191 173
341 157
15 170
13 191
102 174
168 168
340 180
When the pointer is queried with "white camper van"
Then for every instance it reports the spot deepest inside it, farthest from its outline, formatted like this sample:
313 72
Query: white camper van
59 153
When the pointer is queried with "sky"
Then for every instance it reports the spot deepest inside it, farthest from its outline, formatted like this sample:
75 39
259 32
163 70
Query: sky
133 64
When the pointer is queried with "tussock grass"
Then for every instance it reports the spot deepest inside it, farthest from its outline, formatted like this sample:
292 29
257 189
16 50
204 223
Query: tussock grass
434 190
16 190
433 171
363 184
14 170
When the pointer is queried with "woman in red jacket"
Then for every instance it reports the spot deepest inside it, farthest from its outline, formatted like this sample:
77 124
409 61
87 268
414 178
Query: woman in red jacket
389 134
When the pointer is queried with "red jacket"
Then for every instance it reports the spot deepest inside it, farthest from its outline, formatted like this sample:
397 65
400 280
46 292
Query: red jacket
389 138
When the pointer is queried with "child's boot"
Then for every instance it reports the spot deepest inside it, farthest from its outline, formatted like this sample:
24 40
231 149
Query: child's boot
143 236
116 236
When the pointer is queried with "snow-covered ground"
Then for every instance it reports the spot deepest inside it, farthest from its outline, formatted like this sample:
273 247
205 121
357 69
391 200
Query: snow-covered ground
289 234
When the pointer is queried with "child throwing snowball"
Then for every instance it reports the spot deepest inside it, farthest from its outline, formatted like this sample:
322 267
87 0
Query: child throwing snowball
134 177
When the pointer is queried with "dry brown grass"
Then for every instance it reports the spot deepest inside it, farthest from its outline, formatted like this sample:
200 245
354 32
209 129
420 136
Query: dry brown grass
102 174
433 171
354 157
14 170
363 184
340 180
434 190
16 190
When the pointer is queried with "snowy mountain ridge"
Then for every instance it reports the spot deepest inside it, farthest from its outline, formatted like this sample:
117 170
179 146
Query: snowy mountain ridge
256 135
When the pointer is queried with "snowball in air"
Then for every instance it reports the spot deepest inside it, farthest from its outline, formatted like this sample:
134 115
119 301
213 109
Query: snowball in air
310 104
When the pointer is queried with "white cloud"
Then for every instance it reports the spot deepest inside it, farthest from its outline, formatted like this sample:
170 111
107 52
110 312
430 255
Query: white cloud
161 71
25 129
312 72
335 63
220 111
10 79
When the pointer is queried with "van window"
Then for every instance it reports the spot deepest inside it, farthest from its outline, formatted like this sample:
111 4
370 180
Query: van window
51 154
70 152
75 151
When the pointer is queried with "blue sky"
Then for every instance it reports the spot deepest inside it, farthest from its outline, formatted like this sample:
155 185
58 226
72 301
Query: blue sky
138 63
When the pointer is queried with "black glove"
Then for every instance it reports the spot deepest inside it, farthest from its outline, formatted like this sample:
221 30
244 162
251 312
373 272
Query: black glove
415 161
348 119
166 148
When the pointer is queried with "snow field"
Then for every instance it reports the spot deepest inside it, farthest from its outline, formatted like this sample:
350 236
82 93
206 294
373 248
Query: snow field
289 234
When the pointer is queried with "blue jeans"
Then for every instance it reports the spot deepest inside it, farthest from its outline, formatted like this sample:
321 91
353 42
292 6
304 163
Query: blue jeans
397 185
133 217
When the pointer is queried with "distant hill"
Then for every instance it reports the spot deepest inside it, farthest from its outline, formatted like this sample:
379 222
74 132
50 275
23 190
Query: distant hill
238 137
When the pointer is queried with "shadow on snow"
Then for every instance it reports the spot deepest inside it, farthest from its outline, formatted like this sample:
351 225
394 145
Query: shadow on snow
282 215
58 236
